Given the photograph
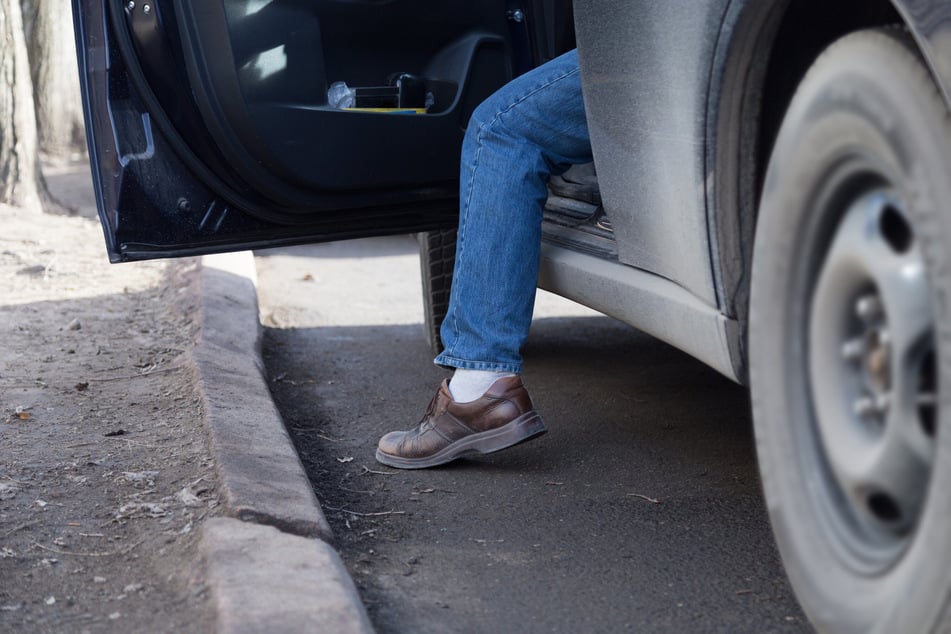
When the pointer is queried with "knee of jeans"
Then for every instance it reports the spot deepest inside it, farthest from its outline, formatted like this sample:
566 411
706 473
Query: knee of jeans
488 115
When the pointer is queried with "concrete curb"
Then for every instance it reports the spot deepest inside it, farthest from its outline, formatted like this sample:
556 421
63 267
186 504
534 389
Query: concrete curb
260 473
261 478
312 593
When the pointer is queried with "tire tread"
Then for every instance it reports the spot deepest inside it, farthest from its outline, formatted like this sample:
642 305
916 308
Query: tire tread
437 256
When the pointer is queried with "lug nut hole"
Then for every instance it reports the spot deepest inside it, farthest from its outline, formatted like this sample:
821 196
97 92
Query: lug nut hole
896 230
927 389
884 508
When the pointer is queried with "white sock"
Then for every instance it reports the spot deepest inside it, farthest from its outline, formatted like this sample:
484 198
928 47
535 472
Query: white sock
468 385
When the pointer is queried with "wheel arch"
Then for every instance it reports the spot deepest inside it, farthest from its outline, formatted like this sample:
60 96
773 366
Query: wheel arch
764 51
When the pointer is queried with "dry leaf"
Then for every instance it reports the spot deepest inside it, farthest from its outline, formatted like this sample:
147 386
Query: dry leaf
187 497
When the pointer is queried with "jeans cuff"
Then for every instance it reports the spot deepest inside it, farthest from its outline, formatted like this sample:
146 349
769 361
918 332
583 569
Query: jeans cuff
446 361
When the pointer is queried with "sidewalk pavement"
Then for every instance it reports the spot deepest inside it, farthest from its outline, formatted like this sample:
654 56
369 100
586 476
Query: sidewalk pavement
111 379
272 568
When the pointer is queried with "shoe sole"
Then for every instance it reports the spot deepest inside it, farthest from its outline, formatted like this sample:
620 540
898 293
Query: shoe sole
527 426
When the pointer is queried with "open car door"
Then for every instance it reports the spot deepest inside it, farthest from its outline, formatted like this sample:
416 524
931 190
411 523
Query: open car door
210 127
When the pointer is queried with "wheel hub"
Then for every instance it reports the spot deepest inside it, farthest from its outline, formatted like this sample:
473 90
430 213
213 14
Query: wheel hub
870 351
871 359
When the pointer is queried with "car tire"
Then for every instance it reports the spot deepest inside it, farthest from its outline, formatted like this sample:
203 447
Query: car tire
437 257
850 323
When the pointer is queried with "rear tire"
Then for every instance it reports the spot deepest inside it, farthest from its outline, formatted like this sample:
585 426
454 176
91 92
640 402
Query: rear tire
437 257
850 340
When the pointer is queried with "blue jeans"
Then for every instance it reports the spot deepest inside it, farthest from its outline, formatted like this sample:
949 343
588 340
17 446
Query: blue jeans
533 127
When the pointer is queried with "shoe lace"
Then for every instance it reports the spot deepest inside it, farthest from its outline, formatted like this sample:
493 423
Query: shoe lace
426 422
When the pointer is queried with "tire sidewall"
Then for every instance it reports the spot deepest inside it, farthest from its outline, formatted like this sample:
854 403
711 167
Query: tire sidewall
860 99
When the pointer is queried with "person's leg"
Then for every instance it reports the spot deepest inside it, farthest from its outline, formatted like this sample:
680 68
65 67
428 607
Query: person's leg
533 127
530 129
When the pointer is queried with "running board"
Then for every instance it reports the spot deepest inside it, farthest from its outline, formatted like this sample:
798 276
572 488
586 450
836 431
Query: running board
646 301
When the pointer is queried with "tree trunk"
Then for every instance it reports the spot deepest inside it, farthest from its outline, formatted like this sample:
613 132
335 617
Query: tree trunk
20 180
51 44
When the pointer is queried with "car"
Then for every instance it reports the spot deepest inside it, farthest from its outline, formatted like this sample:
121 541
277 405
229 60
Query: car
769 193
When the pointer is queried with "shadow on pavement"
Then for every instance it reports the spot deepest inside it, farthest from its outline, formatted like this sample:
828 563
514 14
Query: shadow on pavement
640 510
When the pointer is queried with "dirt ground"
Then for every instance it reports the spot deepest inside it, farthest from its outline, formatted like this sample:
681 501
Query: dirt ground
105 474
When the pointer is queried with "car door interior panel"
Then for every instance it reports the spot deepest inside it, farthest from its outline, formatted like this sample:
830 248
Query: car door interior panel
258 74
212 123
271 112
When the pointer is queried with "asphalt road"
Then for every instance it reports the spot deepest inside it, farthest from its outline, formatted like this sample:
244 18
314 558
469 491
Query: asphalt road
640 510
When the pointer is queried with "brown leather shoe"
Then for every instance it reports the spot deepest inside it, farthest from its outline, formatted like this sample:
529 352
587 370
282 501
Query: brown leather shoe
502 417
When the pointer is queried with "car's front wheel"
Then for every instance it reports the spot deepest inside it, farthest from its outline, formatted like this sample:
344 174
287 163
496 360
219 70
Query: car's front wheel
850 340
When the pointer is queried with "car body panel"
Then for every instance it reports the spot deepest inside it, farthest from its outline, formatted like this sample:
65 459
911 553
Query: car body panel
679 125
647 119
930 23
657 306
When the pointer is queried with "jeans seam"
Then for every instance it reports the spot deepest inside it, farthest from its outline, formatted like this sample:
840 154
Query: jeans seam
462 229
531 92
